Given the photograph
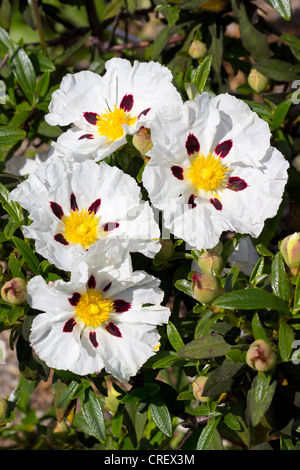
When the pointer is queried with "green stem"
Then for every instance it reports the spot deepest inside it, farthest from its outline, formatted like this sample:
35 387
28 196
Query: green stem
39 27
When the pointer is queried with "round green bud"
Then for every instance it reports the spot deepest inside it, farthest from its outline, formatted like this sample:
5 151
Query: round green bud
260 356
167 249
290 249
58 432
142 140
14 291
210 262
257 81
197 50
198 386
205 287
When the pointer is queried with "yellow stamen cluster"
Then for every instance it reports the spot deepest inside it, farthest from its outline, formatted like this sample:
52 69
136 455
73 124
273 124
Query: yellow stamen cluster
110 123
207 173
93 310
81 227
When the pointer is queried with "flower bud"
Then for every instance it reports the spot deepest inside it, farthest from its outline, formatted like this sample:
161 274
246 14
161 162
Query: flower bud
198 386
167 249
14 291
257 81
260 356
58 432
210 262
142 140
4 409
290 250
205 287
197 49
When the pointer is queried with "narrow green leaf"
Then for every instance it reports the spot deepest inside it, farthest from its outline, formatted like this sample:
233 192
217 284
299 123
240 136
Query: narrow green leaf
174 336
28 255
232 422
291 40
260 397
258 329
212 345
23 70
283 8
285 341
207 433
251 299
4 40
66 396
278 70
286 443
201 73
139 394
280 113
279 280
11 207
92 413
10 135
161 416
184 286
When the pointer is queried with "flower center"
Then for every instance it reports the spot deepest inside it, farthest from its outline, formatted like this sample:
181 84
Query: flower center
207 173
93 310
110 123
81 227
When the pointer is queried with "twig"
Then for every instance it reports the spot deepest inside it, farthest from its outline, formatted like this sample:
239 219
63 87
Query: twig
39 27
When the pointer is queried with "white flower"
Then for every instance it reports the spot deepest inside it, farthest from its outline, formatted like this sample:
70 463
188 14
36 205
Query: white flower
212 169
107 319
105 109
75 207
21 165
244 255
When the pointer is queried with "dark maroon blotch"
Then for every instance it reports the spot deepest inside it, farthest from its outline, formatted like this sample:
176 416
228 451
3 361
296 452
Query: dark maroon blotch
93 339
236 184
216 203
92 118
191 201
177 172
94 207
110 226
192 144
144 113
121 306
91 282
113 330
60 239
127 103
107 287
223 148
74 299
69 325
86 136
73 203
57 210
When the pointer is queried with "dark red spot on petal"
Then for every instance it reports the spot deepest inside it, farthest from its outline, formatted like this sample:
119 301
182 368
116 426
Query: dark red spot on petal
93 339
144 113
69 325
91 282
94 207
73 203
60 239
121 306
57 210
113 330
127 103
236 184
74 299
107 287
177 172
92 118
223 148
191 201
110 226
216 203
86 136
192 144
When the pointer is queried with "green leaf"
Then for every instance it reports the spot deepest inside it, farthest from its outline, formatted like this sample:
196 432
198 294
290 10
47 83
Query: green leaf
10 135
43 84
63 398
184 286
260 397
279 280
280 113
11 207
278 70
174 336
160 415
212 345
4 40
139 394
207 433
232 422
92 413
283 8
251 299
201 73
285 341
23 70
28 255
258 329
286 443
253 40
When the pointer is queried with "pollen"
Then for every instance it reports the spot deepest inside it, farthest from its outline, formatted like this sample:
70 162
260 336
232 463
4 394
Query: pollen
207 173
82 227
93 310
109 124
